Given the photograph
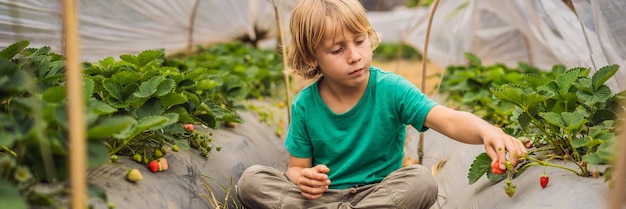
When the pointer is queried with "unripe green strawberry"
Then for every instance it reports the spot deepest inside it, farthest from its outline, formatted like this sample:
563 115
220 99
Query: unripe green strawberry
113 158
509 188
509 165
175 148
137 157
158 153
134 175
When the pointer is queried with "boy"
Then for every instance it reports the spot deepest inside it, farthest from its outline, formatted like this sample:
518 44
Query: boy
348 128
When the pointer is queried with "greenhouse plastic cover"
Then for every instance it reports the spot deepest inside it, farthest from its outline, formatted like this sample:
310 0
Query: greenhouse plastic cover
542 33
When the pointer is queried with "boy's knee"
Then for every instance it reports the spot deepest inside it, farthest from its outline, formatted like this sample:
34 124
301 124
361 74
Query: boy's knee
422 188
250 177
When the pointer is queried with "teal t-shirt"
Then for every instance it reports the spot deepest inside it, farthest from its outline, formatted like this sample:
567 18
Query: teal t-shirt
366 143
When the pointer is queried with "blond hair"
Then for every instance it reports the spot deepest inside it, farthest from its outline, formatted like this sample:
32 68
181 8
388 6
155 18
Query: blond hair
307 29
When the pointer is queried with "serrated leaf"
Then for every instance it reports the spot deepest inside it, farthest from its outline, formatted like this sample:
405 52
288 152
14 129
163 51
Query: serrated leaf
127 77
566 120
108 126
165 87
474 60
479 167
54 94
532 80
114 88
100 108
183 114
156 122
14 49
521 96
148 56
151 107
10 196
566 80
149 87
581 142
172 99
601 76
600 116
96 153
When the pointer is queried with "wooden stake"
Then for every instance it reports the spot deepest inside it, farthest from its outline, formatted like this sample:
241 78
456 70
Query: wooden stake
75 107
617 197
420 147
285 67
192 20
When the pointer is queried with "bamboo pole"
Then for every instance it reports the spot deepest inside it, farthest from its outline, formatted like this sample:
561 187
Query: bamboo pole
617 197
77 140
420 147
192 20
285 67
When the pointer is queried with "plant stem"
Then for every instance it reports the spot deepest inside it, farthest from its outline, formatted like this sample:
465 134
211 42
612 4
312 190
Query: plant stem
545 163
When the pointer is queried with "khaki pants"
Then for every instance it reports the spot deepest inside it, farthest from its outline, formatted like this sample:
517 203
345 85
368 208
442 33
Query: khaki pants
411 187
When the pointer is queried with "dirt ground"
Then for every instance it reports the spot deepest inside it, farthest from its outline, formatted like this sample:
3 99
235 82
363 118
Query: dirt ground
410 69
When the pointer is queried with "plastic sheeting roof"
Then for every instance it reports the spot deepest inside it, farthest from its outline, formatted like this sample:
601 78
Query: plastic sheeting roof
543 33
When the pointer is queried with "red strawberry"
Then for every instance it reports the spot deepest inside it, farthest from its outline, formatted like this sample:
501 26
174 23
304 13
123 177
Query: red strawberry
529 144
188 127
543 180
495 168
153 166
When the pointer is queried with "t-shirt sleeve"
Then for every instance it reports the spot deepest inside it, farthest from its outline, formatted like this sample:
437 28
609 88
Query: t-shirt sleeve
412 104
297 142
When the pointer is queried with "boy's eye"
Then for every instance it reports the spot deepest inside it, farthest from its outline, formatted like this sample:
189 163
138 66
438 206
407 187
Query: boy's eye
337 51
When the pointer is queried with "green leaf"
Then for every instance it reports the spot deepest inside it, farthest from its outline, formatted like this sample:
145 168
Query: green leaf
10 196
14 49
521 96
97 191
96 153
566 120
54 94
566 80
172 99
581 142
474 60
601 76
151 107
183 114
108 126
157 122
479 167
600 116
148 56
114 88
127 77
149 87
100 108
165 87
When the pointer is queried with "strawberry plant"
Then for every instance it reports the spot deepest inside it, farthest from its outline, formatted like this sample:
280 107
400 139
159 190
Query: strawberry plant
468 87
570 117
33 122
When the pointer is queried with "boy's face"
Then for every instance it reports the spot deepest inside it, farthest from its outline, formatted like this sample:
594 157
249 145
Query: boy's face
344 57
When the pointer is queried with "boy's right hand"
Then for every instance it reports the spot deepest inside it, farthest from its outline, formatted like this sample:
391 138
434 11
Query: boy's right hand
313 182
